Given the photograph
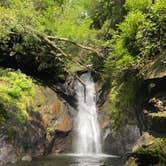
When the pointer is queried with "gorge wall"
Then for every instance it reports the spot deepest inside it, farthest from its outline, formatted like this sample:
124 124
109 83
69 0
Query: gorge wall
46 128
50 114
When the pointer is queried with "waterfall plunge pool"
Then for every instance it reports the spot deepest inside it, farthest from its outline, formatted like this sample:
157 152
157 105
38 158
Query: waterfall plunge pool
74 160
87 143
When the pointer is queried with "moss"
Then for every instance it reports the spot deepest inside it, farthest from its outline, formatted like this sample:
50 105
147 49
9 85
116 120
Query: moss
153 153
158 114
123 96
155 68
16 92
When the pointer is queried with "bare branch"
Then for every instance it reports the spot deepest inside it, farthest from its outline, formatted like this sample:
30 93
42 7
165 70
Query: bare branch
53 45
49 38
56 48
75 43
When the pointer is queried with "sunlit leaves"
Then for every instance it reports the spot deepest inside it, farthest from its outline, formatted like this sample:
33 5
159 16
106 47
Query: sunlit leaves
142 5
7 21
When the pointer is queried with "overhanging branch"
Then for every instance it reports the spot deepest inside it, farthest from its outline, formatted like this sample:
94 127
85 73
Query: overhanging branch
75 43
67 56
49 41
50 38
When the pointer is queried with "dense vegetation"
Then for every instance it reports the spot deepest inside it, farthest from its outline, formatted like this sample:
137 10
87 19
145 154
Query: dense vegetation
16 92
27 26
139 37
155 150
43 37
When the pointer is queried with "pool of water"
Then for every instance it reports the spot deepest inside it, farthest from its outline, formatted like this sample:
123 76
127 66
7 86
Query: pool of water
74 160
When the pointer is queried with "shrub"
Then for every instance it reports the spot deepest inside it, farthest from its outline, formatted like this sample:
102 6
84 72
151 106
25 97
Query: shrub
16 91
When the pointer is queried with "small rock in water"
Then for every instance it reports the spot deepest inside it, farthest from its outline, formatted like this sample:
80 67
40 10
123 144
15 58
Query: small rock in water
27 158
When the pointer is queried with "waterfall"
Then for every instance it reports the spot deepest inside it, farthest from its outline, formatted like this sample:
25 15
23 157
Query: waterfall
88 139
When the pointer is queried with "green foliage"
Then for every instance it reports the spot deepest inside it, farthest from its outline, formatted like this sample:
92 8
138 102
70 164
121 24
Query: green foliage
106 10
7 22
129 26
129 29
125 50
138 5
16 91
22 21
123 96
150 36
140 36
124 45
157 148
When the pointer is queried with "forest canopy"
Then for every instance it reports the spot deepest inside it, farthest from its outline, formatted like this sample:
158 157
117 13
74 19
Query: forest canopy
91 23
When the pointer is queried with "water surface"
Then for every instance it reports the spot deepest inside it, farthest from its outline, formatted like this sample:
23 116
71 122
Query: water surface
88 151
73 160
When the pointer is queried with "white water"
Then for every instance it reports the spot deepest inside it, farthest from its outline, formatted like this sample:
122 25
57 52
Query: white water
88 141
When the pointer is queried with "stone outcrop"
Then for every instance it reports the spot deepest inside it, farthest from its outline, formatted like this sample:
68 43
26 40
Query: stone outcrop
155 68
156 125
121 141
152 116
154 107
116 141
47 130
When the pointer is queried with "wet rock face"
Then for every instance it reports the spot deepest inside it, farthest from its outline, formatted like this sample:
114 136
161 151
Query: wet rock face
58 119
153 117
154 111
115 141
148 151
47 130
118 141
61 121
143 140
7 153
156 125
122 141
155 68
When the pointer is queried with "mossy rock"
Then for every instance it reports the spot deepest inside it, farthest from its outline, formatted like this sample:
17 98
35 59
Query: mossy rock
156 68
152 154
158 114
156 123
16 92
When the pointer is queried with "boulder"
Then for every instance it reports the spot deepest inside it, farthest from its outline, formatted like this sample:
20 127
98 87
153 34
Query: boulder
155 68
27 158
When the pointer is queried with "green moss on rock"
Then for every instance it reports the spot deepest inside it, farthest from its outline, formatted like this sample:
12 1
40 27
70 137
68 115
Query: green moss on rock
123 96
158 114
16 92
152 154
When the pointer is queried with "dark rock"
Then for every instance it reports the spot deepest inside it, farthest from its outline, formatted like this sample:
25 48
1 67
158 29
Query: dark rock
156 125
122 141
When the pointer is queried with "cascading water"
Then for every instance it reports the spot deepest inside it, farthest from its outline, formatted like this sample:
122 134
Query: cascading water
88 139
